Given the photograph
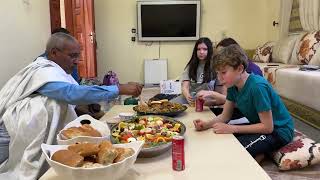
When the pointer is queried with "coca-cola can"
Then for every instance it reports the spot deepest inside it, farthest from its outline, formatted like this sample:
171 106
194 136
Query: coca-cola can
178 153
199 105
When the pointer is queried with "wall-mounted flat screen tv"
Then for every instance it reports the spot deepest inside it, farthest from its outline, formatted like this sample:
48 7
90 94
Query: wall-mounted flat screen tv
168 20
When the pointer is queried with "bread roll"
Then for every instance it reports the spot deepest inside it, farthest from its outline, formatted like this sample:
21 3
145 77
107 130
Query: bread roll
83 130
105 144
85 149
90 130
123 153
107 156
68 158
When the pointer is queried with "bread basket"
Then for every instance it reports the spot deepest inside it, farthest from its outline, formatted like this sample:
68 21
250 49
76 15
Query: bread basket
113 171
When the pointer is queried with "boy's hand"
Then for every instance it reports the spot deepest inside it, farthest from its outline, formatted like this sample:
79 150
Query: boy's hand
222 128
200 125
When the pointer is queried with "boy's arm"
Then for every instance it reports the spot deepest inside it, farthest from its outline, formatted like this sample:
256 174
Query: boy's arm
226 114
224 117
265 127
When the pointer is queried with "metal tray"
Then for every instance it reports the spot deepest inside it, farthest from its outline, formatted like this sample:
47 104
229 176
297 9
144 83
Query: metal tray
170 114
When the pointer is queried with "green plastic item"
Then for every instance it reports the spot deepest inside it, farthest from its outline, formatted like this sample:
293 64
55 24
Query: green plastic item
130 101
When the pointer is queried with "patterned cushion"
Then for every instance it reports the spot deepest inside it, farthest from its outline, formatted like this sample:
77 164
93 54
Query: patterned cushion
301 152
308 47
263 53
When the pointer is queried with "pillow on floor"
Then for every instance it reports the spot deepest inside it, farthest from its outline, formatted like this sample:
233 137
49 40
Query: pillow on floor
301 152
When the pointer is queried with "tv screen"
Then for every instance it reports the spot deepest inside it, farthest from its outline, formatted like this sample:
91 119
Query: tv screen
168 20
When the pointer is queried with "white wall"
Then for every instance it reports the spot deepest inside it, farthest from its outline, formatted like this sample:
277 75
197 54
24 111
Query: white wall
248 21
24 29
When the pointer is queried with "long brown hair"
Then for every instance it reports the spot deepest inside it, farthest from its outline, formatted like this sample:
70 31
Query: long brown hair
194 61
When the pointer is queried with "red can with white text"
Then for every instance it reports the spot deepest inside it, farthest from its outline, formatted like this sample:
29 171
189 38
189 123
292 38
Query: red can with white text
199 105
178 153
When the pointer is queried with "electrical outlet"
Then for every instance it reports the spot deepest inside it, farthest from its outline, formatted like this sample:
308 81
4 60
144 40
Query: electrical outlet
133 30
133 39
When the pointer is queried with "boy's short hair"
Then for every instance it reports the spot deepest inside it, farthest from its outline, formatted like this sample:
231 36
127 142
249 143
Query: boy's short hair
232 55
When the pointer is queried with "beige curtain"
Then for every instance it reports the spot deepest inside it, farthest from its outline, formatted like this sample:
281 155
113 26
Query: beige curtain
285 12
309 14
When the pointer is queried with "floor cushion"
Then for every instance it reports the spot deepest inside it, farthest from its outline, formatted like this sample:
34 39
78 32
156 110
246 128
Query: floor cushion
301 152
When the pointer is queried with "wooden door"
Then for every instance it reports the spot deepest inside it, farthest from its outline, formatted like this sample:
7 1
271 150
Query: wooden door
79 15
55 17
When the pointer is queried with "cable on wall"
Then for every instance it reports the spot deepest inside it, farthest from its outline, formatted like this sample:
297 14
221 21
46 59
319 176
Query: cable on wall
159 50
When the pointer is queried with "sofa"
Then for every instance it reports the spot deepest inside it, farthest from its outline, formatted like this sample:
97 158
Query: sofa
281 63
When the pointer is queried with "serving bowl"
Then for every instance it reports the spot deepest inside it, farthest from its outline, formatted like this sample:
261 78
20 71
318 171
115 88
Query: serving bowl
157 132
113 171
101 127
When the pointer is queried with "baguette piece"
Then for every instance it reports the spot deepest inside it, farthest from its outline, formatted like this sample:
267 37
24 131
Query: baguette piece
123 153
85 149
68 158
83 130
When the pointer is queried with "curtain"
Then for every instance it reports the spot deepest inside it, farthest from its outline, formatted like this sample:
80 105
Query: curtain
285 12
309 14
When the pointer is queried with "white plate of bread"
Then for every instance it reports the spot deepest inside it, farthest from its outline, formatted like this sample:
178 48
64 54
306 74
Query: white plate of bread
99 160
83 129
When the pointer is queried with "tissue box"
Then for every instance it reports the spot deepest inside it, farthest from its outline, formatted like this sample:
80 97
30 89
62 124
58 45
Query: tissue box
170 87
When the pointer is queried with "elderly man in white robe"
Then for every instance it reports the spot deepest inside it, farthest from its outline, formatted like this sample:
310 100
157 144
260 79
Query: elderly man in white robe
39 100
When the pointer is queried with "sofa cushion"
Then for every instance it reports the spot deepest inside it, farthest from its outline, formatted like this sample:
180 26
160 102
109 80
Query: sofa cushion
301 152
308 47
263 53
282 50
315 59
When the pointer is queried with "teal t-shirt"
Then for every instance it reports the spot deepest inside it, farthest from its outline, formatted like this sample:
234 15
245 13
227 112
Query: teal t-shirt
257 95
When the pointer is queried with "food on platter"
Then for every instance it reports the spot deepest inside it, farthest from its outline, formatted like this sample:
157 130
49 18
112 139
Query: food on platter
90 155
162 107
154 130
83 130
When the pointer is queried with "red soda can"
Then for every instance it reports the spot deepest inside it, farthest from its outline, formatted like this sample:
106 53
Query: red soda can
178 153
199 105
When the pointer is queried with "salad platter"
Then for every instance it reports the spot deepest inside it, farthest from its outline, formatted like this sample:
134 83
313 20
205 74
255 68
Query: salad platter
156 131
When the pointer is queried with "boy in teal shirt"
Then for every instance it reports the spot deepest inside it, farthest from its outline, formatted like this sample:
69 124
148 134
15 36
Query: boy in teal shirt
271 125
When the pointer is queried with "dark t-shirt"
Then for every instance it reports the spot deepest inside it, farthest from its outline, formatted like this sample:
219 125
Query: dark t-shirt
253 68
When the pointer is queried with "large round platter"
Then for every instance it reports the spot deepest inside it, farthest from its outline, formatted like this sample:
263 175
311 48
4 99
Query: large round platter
151 148
169 112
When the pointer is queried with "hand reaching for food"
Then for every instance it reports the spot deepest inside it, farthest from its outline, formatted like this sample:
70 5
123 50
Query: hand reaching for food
133 89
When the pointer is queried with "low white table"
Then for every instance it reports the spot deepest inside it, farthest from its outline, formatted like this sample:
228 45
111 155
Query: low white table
207 155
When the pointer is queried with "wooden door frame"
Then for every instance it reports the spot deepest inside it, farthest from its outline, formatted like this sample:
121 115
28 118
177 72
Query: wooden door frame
55 17
91 66
68 15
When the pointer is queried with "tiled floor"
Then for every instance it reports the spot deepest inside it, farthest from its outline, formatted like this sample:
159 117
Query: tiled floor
308 130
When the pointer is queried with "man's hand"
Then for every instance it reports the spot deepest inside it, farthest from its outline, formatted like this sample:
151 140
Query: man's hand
131 88
222 128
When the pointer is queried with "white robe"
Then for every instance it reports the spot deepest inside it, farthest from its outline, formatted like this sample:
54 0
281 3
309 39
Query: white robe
31 119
